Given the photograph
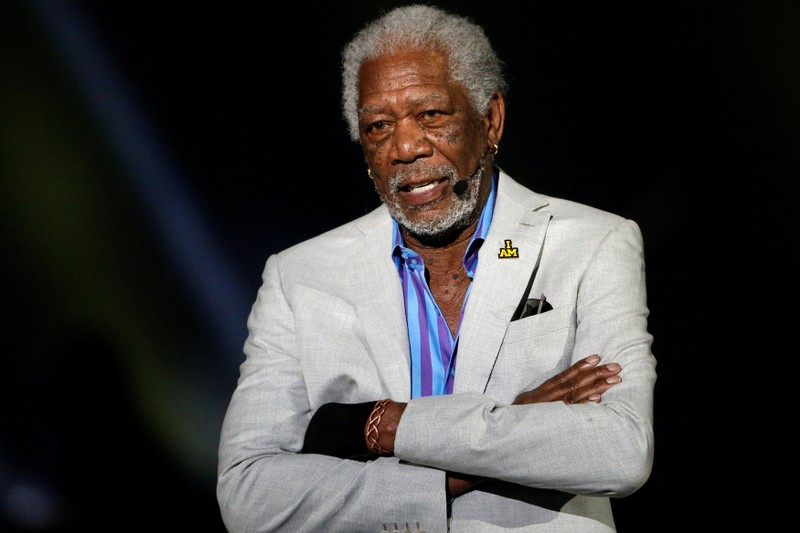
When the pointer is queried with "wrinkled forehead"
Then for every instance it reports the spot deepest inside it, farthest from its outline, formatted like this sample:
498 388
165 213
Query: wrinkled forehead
402 69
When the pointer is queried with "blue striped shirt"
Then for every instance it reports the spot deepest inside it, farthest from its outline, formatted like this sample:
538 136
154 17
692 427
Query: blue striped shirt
433 348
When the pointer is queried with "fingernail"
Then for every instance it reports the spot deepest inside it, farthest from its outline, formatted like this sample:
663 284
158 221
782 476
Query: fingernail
613 379
613 367
594 398
591 360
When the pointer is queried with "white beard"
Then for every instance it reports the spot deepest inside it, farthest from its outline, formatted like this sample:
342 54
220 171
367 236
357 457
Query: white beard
457 217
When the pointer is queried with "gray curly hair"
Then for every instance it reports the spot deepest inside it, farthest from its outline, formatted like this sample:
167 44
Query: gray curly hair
471 58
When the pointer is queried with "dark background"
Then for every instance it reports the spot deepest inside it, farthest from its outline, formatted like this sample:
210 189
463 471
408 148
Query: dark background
153 154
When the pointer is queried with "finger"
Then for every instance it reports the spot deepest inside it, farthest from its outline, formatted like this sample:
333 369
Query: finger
592 391
573 376
584 379
589 361
588 376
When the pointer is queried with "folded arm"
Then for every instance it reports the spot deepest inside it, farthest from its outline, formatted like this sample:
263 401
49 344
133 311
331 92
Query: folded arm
590 448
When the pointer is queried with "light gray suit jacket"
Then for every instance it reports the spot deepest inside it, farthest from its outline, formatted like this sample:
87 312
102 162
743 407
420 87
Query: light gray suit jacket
328 325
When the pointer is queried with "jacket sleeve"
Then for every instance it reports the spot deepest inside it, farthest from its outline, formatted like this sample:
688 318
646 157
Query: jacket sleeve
266 484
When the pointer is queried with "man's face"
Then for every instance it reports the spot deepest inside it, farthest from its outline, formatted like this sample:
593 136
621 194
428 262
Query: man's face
421 136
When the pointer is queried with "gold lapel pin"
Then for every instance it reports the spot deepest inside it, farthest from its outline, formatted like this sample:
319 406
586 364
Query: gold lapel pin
508 250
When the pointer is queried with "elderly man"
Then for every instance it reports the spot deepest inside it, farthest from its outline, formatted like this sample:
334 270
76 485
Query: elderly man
435 365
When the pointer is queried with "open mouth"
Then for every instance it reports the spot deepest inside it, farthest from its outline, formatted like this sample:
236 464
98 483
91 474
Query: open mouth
420 188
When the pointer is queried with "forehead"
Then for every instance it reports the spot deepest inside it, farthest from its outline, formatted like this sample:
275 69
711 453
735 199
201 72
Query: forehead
405 73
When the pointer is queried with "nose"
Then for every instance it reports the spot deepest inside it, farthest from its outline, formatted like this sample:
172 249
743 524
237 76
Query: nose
410 142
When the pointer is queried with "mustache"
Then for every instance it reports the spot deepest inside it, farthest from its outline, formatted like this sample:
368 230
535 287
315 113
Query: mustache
435 173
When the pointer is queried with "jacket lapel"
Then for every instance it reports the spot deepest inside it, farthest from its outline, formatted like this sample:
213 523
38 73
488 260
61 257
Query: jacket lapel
506 262
378 299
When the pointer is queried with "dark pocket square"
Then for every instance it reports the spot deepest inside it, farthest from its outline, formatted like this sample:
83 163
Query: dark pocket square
532 307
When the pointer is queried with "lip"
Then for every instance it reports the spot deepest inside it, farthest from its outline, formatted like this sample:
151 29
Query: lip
417 197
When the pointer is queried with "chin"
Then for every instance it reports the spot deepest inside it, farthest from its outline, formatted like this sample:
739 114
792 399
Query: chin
437 220
435 228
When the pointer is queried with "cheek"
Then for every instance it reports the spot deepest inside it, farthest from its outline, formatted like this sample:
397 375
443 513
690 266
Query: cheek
381 186
374 153
460 145
447 138
461 136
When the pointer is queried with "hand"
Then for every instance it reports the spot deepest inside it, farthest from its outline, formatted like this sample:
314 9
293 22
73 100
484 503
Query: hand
583 382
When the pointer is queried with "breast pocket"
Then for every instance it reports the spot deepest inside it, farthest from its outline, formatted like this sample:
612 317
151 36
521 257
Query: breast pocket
533 350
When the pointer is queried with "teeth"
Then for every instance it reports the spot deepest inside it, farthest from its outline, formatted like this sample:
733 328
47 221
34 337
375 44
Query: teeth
422 188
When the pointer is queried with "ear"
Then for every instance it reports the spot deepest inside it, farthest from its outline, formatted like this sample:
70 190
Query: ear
495 118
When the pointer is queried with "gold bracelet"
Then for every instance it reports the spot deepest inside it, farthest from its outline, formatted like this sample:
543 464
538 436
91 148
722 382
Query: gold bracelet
371 429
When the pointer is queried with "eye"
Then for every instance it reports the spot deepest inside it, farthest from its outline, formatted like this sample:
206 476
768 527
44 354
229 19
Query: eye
375 127
431 114
432 118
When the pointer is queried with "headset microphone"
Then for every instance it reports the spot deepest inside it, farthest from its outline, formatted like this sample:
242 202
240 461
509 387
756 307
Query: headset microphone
460 187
